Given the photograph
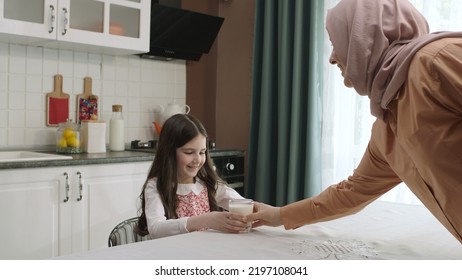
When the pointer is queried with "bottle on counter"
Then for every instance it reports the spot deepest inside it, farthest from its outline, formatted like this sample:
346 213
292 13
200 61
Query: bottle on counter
116 129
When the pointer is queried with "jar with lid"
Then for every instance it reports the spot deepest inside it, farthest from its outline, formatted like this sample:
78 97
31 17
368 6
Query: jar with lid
116 129
68 138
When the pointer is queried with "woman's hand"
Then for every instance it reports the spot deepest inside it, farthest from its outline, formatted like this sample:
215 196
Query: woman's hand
221 221
264 215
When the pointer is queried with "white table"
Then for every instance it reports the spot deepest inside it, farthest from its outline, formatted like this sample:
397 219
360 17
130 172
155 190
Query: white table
381 231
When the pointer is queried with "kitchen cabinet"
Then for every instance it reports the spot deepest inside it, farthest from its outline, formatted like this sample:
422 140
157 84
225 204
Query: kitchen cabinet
113 196
29 203
101 26
49 212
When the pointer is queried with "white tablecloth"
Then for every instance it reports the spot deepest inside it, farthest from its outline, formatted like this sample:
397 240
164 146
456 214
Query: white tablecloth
381 231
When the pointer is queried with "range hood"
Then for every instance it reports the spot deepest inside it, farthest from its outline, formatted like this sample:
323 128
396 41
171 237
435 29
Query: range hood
180 34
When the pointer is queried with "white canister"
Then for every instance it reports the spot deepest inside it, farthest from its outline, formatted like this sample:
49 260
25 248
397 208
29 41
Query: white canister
94 136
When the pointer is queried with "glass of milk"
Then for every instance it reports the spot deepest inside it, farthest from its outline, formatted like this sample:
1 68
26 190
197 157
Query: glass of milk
243 207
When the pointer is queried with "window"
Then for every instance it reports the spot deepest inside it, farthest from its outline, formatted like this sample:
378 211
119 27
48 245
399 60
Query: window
346 117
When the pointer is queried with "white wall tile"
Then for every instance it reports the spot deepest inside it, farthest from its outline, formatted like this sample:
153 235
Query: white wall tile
121 70
3 101
108 68
27 74
164 76
48 83
108 88
134 105
16 100
34 119
133 120
65 63
80 64
3 81
3 139
40 137
180 89
107 103
17 61
134 89
34 61
147 74
180 76
16 119
34 102
68 84
3 121
121 88
50 62
96 87
4 57
147 89
17 82
34 84
95 66
77 85
134 74
16 137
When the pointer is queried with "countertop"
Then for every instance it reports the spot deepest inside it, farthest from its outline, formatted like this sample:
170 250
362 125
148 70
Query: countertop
100 158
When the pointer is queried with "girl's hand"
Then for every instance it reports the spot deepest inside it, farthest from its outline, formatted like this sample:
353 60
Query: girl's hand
264 214
226 221
221 221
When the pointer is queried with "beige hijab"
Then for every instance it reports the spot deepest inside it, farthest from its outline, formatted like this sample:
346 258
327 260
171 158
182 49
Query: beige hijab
375 40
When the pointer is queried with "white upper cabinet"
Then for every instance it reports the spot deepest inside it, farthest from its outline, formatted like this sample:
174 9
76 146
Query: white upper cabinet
99 26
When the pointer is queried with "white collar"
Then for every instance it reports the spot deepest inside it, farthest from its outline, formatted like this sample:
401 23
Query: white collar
184 189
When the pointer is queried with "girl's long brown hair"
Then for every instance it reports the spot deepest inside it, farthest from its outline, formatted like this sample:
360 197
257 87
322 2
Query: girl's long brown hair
176 132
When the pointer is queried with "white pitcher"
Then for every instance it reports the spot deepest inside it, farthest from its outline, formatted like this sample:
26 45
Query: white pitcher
172 109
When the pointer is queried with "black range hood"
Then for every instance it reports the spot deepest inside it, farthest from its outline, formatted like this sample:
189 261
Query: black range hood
180 34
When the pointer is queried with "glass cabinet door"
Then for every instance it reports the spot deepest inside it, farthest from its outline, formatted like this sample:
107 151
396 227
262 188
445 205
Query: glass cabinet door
24 10
86 15
29 19
124 21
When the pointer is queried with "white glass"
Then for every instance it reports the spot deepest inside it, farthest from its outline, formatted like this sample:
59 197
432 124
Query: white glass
243 207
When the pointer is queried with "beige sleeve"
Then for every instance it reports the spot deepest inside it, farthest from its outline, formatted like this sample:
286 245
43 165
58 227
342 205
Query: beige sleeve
371 179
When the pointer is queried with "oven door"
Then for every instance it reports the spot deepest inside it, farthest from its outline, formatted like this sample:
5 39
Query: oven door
230 167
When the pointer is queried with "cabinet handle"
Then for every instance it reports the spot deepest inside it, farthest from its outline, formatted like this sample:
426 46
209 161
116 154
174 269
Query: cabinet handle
52 19
65 21
80 186
67 187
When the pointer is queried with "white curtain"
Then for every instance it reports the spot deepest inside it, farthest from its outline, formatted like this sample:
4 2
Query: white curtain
346 117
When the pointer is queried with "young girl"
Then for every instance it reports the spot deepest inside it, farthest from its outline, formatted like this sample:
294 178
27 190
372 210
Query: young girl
183 193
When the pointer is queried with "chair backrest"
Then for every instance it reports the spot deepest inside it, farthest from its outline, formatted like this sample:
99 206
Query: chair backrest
124 233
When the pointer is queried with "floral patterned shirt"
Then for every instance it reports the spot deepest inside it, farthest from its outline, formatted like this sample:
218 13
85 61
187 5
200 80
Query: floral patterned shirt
193 204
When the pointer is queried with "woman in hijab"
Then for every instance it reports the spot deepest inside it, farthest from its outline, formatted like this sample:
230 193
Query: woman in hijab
414 82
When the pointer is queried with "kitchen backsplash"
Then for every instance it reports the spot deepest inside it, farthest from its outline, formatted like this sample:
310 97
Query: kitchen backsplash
26 75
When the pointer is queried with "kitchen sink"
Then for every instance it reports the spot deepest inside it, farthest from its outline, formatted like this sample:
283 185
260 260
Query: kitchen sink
14 156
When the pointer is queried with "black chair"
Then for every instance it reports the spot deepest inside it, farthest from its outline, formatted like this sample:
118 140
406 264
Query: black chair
124 233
